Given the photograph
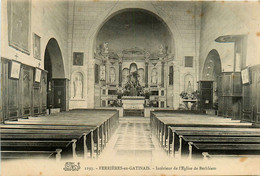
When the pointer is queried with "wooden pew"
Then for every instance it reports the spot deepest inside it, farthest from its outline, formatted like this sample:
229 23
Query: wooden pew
68 125
22 154
212 155
32 148
53 134
164 120
104 124
202 130
185 140
165 123
75 121
196 149
175 134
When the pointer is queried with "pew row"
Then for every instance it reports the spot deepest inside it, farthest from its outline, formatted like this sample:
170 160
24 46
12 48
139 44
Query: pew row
179 133
61 127
212 155
198 134
24 154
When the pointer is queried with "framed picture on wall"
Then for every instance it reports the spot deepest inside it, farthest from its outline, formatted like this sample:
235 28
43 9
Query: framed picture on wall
37 47
245 76
15 70
78 58
37 76
19 18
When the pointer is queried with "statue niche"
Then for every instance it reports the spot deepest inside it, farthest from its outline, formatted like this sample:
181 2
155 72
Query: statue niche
125 75
141 75
154 76
77 86
112 75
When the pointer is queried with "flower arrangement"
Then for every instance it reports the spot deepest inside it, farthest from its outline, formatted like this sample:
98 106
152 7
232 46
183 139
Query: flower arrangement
185 95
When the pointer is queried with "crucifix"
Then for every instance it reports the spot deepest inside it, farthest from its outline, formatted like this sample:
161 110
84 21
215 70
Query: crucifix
16 56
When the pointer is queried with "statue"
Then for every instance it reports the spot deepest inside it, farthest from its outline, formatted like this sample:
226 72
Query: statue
154 76
161 49
141 75
112 75
105 47
125 75
77 85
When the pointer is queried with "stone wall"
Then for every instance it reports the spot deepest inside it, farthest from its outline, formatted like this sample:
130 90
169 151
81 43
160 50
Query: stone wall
47 22
230 18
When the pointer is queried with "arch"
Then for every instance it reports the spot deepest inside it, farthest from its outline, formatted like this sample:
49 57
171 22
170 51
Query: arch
54 59
106 15
53 63
133 67
109 13
143 30
212 66
161 15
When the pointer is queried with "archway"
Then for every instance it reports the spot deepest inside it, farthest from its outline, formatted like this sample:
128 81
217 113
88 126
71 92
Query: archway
132 35
211 72
56 82
212 66
137 28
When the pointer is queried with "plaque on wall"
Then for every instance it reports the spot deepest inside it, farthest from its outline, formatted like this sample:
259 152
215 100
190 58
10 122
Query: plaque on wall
37 47
19 25
37 77
102 73
78 58
245 76
15 70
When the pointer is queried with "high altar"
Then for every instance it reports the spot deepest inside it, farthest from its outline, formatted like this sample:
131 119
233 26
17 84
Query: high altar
133 103
133 78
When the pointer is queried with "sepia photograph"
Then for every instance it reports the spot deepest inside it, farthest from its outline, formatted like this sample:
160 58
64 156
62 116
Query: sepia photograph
127 87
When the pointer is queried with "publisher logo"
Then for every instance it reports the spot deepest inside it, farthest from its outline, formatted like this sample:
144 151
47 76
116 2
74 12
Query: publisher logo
71 166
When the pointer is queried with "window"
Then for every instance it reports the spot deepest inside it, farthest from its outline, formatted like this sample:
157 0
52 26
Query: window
103 103
162 104
162 93
96 73
171 75
188 61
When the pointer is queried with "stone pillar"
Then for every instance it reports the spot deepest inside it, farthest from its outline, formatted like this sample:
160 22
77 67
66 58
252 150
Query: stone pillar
146 74
107 70
162 74
120 73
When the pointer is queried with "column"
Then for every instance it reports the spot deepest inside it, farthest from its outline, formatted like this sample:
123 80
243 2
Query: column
120 73
146 74
162 75
107 70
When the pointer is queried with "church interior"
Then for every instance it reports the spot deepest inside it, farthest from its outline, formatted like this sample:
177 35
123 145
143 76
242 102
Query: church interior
158 79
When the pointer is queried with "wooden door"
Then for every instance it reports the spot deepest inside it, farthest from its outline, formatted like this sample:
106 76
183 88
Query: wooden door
26 84
10 93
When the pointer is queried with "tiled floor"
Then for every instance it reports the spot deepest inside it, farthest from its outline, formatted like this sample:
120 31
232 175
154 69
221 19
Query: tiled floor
133 142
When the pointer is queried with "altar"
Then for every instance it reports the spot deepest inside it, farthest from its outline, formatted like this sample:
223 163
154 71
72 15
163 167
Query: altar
133 105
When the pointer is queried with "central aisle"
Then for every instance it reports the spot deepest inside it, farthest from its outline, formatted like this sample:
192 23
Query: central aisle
133 143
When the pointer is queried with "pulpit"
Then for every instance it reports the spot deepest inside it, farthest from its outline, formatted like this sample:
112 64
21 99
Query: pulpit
133 105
